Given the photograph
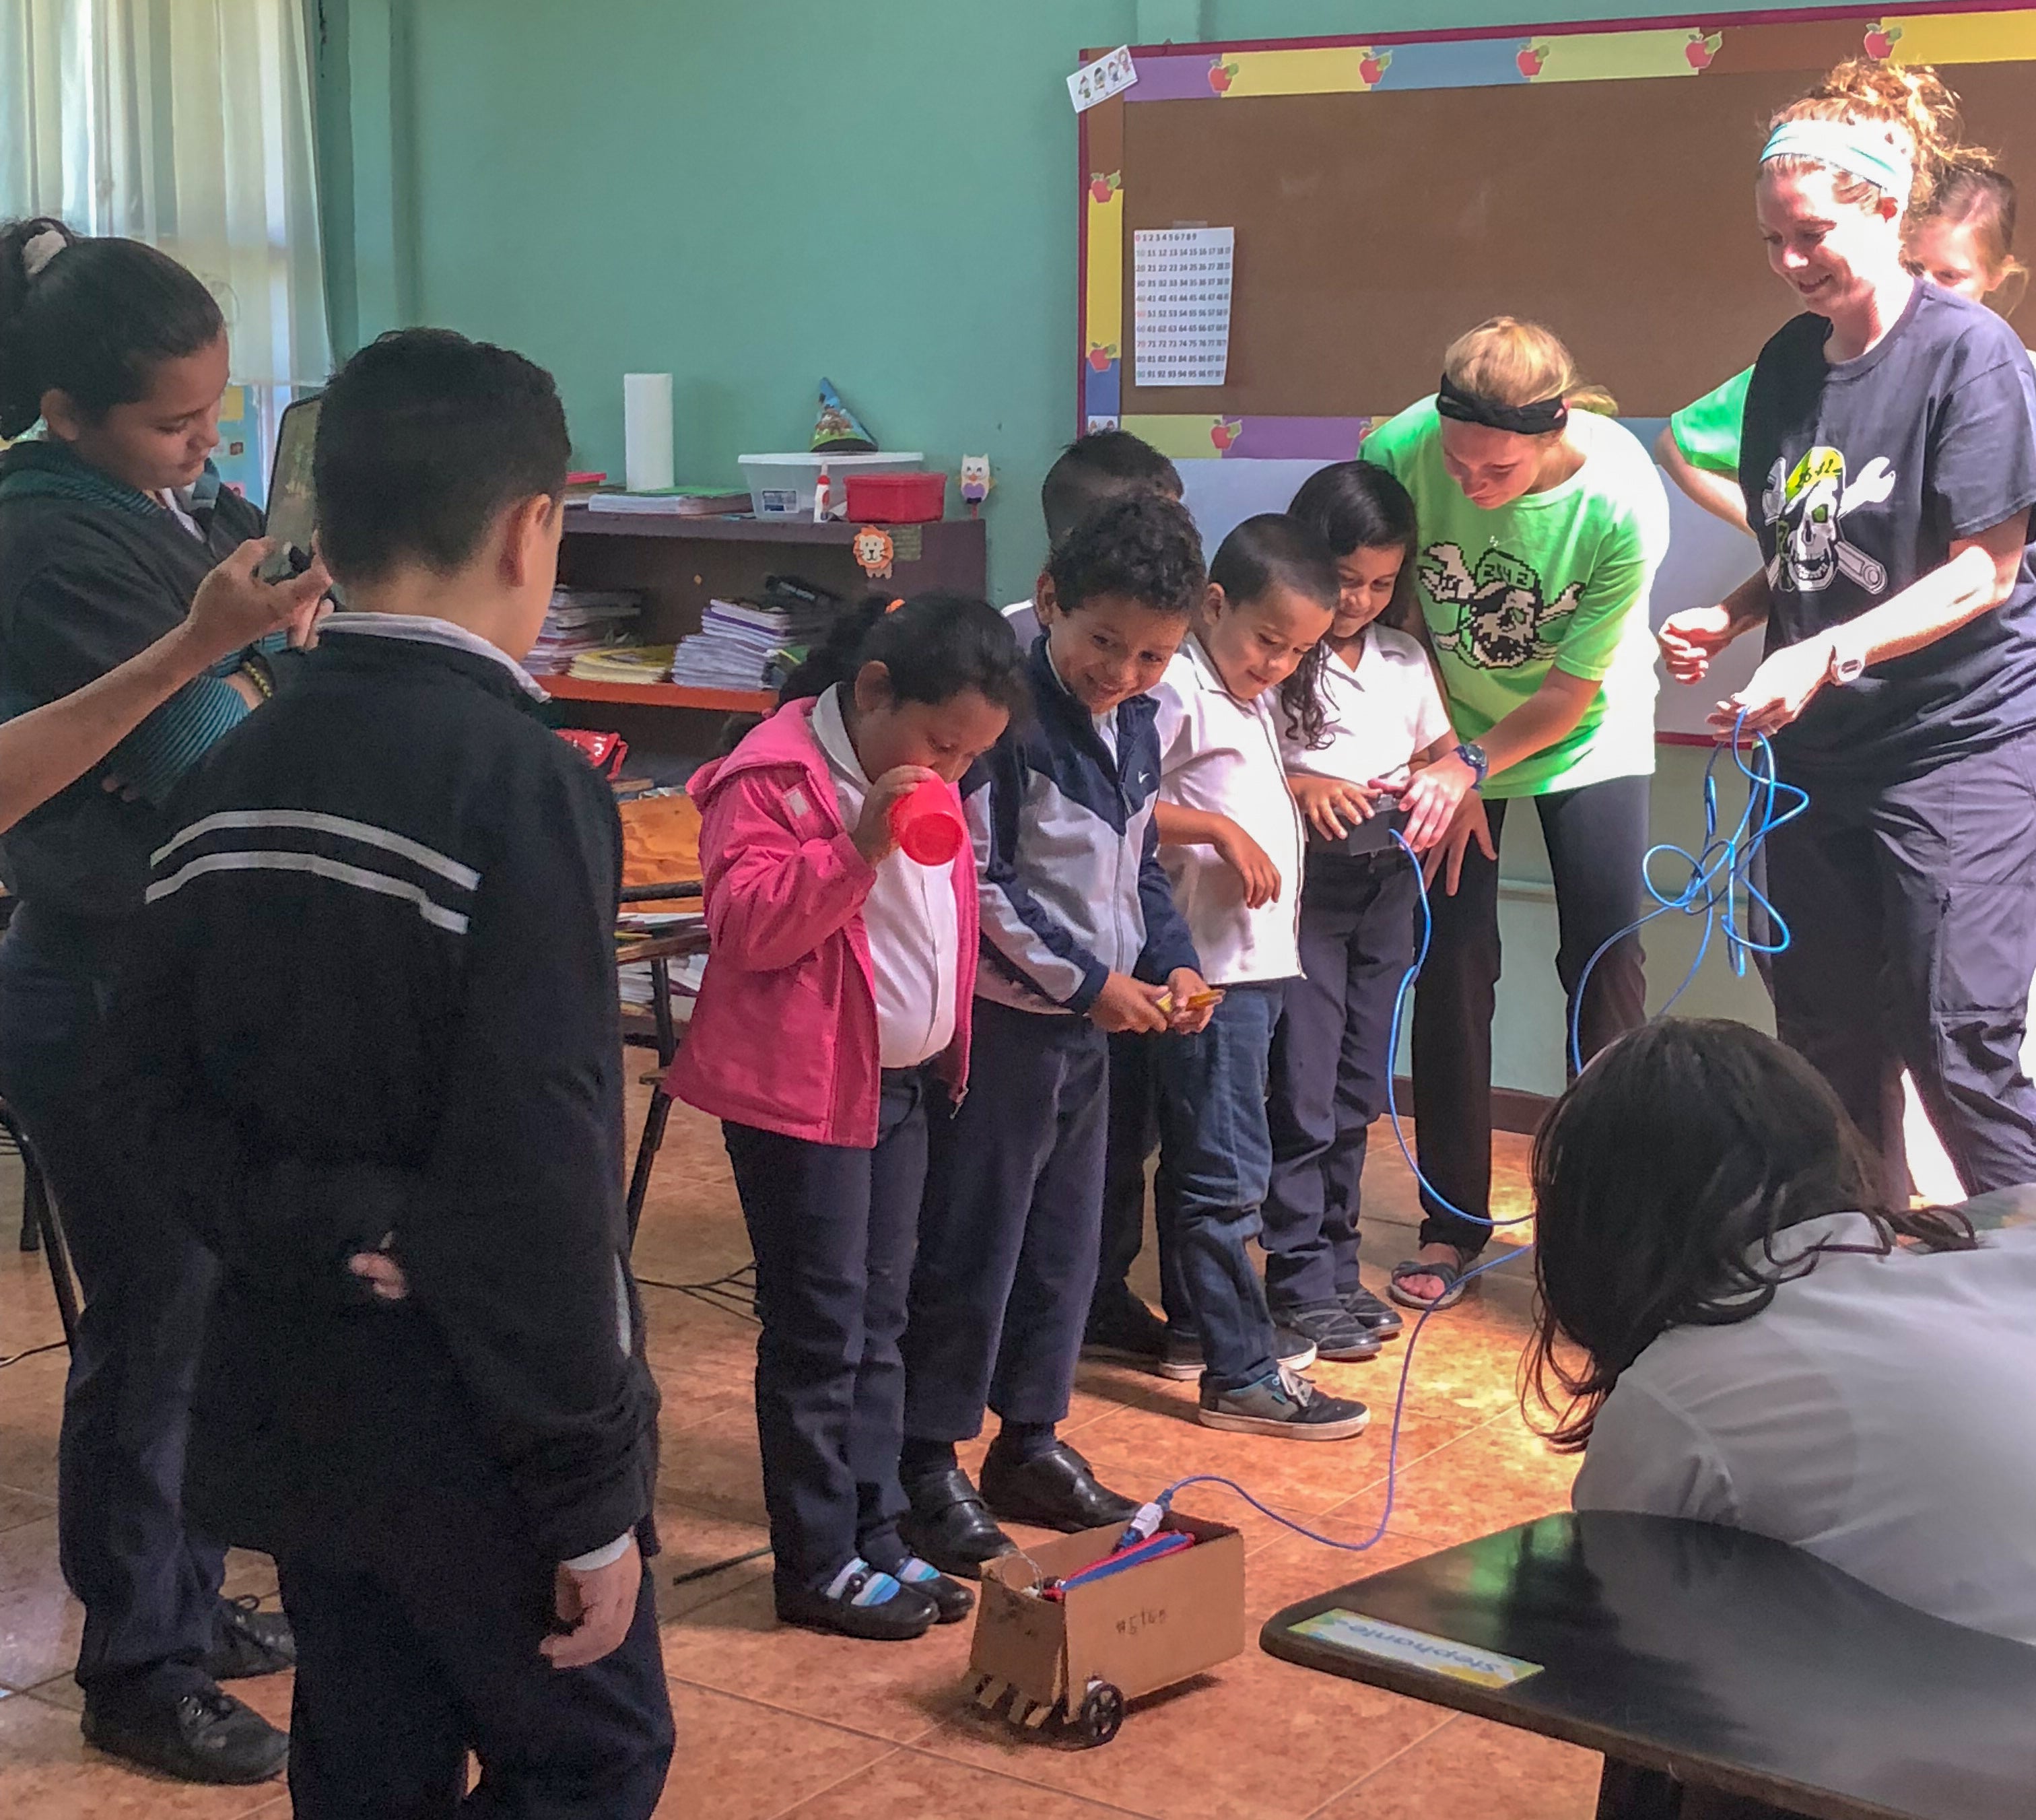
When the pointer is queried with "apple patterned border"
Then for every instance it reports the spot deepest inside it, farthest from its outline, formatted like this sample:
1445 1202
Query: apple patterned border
1596 51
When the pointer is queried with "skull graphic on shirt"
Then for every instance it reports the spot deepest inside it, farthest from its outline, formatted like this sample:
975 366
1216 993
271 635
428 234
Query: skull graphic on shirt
1806 506
1503 619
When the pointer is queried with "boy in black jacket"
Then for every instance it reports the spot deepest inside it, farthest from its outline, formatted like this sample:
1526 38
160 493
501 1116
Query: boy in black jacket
377 1060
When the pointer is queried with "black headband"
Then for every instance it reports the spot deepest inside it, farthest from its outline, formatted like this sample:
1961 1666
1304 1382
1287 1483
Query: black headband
1452 400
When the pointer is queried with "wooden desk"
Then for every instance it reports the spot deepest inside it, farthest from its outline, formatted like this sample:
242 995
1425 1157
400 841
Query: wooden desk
1731 1661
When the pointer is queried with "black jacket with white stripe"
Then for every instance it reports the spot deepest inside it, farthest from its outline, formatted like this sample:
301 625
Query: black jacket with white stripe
374 995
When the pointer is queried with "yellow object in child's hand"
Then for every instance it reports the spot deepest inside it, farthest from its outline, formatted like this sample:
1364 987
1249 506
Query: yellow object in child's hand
1197 1001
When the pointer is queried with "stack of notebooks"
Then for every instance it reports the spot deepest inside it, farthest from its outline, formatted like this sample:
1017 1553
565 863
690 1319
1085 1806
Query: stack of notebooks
755 644
627 663
580 620
674 502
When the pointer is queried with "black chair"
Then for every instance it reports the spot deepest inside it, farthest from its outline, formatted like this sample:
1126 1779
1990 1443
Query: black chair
659 952
40 1227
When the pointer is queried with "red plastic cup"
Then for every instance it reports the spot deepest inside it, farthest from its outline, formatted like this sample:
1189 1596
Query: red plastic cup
926 825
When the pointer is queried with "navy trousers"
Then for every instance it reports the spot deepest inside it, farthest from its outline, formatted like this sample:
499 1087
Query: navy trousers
149 1587
1008 1234
1215 1159
421 1644
833 1230
1911 909
1332 1064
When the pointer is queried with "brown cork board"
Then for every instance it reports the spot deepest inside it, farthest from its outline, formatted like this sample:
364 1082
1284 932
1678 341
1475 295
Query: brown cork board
1372 227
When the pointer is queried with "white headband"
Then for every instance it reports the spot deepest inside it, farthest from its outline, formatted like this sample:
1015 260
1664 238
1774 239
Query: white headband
1858 149
39 249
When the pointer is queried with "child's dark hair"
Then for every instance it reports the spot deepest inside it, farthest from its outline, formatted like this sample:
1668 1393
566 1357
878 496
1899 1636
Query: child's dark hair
92 322
1359 506
1092 470
423 438
1661 1179
1143 547
1276 550
1355 506
935 645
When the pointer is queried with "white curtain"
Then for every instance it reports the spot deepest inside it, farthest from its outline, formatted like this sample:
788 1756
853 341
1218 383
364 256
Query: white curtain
186 123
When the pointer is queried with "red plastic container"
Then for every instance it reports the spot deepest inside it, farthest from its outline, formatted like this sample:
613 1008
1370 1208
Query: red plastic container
897 499
927 825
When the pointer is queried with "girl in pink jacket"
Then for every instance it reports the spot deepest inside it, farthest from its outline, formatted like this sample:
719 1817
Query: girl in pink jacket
837 997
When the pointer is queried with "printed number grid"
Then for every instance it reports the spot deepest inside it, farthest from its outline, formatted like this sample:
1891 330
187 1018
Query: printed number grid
1181 281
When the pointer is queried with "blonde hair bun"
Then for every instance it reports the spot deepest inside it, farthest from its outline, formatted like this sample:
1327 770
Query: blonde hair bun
1517 363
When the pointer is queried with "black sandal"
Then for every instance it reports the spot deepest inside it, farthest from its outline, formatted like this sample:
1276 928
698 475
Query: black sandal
1454 1287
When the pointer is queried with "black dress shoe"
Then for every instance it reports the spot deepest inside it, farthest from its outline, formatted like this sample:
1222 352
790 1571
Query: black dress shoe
906 1614
952 1599
947 1526
206 1736
250 1641
1054 1489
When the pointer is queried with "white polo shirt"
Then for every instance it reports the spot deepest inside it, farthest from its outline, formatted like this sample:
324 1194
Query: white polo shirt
1880 1412
1219 754
1381 711
909 917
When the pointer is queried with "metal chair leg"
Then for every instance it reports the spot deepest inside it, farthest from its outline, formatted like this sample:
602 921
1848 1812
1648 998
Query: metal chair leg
36 1197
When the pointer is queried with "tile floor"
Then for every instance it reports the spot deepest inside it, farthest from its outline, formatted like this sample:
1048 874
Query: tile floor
782 1722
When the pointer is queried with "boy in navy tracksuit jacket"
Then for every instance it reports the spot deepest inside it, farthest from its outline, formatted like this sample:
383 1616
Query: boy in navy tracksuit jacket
1079 938
376 1061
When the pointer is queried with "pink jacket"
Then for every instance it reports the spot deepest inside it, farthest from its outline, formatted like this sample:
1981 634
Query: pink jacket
783 1036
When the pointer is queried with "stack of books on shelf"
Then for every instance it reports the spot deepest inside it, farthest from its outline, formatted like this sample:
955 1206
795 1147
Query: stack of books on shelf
673 503
626 664
580 620
755 644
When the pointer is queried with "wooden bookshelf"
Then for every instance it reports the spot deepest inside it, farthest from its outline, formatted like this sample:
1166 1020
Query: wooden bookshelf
679 564
660 695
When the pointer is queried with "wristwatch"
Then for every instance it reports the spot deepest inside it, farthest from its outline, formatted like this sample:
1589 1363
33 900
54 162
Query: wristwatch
1473 755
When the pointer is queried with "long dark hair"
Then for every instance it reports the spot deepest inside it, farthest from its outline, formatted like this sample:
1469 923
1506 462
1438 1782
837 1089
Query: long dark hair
935 645
1355 506
1277 548
92 322
1662 1180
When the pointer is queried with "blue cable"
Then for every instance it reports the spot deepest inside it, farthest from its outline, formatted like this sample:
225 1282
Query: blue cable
1722 869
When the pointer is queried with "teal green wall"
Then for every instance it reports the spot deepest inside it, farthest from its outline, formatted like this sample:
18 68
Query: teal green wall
750 194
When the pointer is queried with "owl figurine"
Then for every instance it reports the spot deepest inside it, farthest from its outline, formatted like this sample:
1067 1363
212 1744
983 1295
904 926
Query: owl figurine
975 481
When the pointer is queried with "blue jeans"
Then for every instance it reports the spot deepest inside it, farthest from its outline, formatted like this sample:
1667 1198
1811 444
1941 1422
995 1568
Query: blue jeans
1215 1161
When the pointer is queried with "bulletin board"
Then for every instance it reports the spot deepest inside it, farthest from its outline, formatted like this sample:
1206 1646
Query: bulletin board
1386 193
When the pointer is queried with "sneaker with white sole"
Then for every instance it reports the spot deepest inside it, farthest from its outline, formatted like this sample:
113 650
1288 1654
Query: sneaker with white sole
1286 1405
1182 1358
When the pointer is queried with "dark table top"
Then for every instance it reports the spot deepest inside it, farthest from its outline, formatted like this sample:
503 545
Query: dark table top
1731 1660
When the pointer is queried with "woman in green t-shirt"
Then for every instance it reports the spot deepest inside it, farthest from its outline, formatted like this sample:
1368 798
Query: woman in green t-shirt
1541 527
1965 241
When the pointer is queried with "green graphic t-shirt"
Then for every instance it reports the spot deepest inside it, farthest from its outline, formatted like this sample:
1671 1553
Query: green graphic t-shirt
1558 578
1707 432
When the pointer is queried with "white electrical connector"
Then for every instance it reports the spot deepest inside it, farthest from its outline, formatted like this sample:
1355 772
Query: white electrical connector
1143 1524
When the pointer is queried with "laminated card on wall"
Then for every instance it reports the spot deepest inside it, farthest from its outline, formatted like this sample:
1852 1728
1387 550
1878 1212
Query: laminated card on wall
1181 297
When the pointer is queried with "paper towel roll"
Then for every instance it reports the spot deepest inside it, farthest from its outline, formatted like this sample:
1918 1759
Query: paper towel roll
647 431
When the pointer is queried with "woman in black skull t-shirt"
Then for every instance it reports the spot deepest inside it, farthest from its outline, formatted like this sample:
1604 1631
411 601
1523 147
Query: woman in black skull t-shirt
1889 465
